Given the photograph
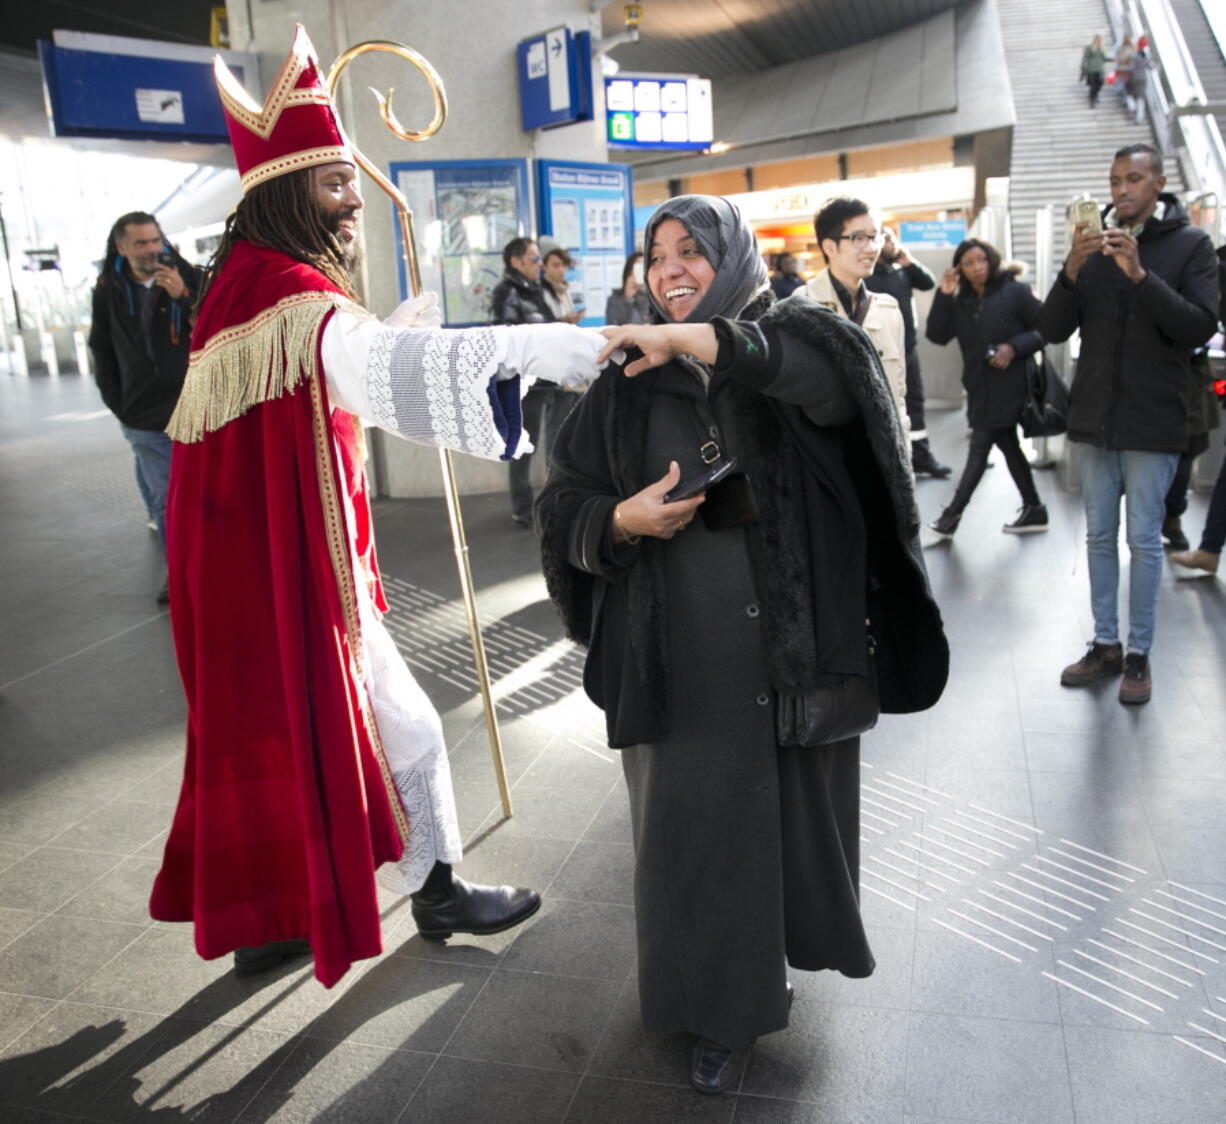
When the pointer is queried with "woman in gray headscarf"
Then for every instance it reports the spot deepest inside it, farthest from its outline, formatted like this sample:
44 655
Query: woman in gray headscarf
704 633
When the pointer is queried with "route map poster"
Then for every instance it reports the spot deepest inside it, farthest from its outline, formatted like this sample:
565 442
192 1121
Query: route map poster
464 212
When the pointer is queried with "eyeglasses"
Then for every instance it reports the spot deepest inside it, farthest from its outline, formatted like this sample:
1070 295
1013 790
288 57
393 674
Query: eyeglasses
535 259
860 239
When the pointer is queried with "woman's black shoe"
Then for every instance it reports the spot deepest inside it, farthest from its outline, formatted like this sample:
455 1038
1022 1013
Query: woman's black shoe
946 524
711 1065
924 463
250 960
1031 519
468 908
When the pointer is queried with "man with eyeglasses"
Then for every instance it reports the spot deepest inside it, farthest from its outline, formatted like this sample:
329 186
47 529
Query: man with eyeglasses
519 298
850 241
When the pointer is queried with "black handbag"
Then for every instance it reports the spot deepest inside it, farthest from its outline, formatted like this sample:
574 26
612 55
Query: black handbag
829 714
1045 411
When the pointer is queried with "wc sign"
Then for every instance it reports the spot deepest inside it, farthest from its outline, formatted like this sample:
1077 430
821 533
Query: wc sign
555 78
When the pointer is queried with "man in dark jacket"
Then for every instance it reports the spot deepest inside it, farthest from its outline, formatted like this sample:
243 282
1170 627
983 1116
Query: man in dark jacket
519 298
1144 292
1203 562
895 273
139 338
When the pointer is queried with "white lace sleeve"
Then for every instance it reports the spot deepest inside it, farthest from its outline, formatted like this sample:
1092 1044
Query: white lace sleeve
436 386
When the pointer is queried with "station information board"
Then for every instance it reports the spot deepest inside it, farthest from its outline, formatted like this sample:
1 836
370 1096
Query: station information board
588 209
661 111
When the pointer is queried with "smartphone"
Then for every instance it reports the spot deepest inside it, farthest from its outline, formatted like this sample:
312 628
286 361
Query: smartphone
1086 214
696 485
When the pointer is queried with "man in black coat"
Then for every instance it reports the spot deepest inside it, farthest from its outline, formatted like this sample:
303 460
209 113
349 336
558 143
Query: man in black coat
140 337
897 274
1144 292
519 298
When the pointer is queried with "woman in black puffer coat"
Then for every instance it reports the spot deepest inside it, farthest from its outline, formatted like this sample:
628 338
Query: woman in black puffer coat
995 319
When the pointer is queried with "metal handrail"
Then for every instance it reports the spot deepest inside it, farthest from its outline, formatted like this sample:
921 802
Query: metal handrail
1215 17
1195 137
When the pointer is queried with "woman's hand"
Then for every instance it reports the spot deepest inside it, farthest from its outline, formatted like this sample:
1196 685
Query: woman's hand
950 279
646 513
1003 357
659 343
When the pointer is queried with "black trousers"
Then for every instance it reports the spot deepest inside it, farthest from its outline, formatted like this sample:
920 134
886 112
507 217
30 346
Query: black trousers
1214 535
1177 493
915 396
1095 82
1006 441
545 406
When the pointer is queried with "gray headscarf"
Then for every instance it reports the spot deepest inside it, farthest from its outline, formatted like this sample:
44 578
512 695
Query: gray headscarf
726 242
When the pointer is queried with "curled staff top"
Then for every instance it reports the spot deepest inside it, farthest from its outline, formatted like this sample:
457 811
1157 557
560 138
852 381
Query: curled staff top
385 100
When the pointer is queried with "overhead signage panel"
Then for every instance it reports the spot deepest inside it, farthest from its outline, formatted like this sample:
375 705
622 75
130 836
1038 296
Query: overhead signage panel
661 111
109 86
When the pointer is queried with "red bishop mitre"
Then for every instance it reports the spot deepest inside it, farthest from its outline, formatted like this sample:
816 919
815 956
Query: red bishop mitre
296 127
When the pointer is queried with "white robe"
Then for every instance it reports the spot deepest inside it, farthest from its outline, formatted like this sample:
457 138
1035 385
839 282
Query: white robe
430 386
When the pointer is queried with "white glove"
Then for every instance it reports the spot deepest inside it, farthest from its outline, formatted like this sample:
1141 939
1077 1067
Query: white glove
417 312
561 353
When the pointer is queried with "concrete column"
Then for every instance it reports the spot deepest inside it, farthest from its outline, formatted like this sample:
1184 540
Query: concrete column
472 45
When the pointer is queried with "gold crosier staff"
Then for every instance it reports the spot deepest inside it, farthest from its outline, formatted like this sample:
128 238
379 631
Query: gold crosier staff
408 249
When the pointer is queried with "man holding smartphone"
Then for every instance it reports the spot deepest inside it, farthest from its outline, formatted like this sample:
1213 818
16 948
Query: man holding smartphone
140 338
1143 289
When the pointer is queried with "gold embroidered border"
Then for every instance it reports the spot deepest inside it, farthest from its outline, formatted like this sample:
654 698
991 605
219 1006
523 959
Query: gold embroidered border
338 547
262 119
250 363
308 158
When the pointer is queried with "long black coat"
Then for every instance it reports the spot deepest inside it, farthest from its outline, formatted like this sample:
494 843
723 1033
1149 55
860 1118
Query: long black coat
1008 312
746 852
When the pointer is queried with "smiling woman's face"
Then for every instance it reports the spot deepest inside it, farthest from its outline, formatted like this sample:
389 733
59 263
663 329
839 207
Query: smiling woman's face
677 272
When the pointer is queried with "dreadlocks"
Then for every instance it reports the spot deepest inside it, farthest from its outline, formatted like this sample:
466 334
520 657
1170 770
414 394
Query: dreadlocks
282 214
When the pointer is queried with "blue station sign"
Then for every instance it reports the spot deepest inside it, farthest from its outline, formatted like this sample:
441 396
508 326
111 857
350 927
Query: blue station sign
555 79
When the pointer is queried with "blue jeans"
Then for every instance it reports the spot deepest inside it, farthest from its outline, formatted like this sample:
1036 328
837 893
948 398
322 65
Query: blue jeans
151 450
1143 480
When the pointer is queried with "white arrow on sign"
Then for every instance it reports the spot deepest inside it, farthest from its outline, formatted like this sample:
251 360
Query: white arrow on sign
559 75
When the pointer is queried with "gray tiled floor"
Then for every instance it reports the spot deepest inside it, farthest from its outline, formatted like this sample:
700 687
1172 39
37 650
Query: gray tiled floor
1060 954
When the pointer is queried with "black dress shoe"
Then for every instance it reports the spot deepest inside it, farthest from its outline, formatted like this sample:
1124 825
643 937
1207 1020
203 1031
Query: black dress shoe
711 1067
253 959
469 908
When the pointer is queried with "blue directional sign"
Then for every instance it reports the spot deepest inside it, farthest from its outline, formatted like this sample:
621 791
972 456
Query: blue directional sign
555 78
934 234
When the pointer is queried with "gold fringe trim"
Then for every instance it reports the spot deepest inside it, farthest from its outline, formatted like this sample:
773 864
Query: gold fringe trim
255 362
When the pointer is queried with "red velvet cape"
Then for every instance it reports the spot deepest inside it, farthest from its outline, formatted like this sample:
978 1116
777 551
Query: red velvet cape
286 808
